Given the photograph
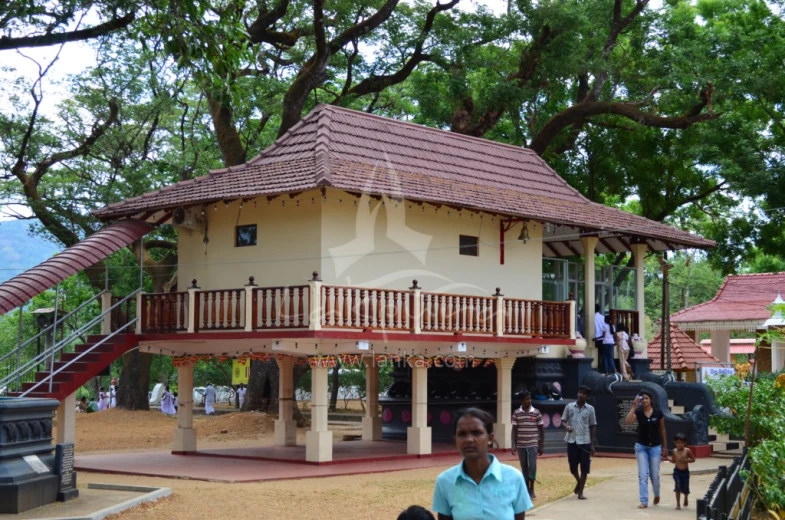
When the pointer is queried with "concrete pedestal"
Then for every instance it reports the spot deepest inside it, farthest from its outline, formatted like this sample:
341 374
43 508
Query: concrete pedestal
418 440
184 440
372 428
319 446
285 432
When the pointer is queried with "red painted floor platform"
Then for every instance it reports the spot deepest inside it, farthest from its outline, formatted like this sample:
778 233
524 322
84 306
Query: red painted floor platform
273 463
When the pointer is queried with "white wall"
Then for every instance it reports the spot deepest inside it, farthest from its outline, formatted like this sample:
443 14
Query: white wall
287 250
388 244
352 243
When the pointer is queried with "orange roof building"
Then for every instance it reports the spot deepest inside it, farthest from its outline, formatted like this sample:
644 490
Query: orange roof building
686 355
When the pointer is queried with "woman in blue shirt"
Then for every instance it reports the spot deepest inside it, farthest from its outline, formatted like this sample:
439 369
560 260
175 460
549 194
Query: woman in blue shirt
480 487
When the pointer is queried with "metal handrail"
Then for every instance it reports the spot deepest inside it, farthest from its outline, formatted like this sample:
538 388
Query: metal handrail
57 346
44 331
52 374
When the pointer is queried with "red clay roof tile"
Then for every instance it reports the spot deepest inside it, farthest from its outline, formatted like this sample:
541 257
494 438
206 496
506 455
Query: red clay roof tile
742 297
355 151
684 352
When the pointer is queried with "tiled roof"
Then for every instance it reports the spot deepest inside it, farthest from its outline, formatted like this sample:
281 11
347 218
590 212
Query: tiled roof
684 352
742 297
737 346
359 152
78 257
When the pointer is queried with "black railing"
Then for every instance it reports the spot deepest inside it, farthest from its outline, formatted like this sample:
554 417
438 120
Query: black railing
729 495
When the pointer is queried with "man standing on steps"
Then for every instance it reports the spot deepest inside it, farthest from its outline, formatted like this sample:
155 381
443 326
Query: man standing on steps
528 439
209 399
580 421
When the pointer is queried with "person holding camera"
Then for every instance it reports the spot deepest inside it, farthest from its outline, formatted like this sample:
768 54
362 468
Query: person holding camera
649 446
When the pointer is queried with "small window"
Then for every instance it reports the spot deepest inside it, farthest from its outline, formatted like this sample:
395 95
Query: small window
469 246
245 235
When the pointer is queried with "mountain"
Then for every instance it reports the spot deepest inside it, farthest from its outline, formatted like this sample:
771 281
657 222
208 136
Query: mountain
19 250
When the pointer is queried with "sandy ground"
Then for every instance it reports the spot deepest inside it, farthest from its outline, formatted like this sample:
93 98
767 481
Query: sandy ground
373 496
363 496
121 430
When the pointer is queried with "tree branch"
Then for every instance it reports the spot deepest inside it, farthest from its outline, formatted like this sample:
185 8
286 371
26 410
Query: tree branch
585 110
72 36
378 83
82 149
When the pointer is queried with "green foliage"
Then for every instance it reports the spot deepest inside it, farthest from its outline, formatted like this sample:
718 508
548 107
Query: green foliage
766 435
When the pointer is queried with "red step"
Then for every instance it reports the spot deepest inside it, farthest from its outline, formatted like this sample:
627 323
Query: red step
59 377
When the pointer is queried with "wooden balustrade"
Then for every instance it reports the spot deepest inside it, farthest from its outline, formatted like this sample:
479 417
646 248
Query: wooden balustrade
627 318
357 308
341 307
121 315
164 312
222 309
536 318
281 307
457 313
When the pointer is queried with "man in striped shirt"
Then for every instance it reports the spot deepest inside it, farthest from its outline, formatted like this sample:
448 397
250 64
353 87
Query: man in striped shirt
528 438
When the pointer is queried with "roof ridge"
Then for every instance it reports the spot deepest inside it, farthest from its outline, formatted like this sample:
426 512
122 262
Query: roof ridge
322 149
739 275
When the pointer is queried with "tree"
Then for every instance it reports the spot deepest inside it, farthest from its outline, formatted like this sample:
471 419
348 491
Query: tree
39 23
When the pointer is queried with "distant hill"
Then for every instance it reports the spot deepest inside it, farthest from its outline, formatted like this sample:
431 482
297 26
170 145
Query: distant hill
19 250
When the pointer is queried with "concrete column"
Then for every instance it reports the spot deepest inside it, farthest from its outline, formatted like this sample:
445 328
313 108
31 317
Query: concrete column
589 243
418 435
185 434
372 422
285 425
638 252
777 356
315 315
249 317
573 325
106 321
416 308
66 420
502 428
720 345
319 440
192 317
140 311
499 316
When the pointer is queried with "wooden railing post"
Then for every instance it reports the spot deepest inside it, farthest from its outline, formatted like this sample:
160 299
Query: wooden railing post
193 306
315 286
415 316
498 313
141 313
250 314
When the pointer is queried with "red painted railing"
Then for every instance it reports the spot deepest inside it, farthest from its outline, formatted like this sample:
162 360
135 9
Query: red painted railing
223 309
357 308
536 318
627 318
281 307
122 314
457 313
164 312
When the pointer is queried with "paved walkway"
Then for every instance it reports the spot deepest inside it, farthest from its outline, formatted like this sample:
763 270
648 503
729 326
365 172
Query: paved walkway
617 498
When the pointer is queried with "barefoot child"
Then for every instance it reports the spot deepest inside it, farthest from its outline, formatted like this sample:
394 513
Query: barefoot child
681 457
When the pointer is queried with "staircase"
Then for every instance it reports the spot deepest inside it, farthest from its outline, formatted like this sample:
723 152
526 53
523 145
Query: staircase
74 369
722 443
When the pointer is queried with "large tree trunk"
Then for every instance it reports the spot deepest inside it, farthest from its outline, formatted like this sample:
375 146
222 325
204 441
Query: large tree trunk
336 383
262 395
134 381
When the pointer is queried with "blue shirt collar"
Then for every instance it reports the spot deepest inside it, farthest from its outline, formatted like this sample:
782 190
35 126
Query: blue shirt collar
494 470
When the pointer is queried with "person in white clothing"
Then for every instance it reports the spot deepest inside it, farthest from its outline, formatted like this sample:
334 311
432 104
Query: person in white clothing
209 399
113 394
241 394
103 400
599 338
167 402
